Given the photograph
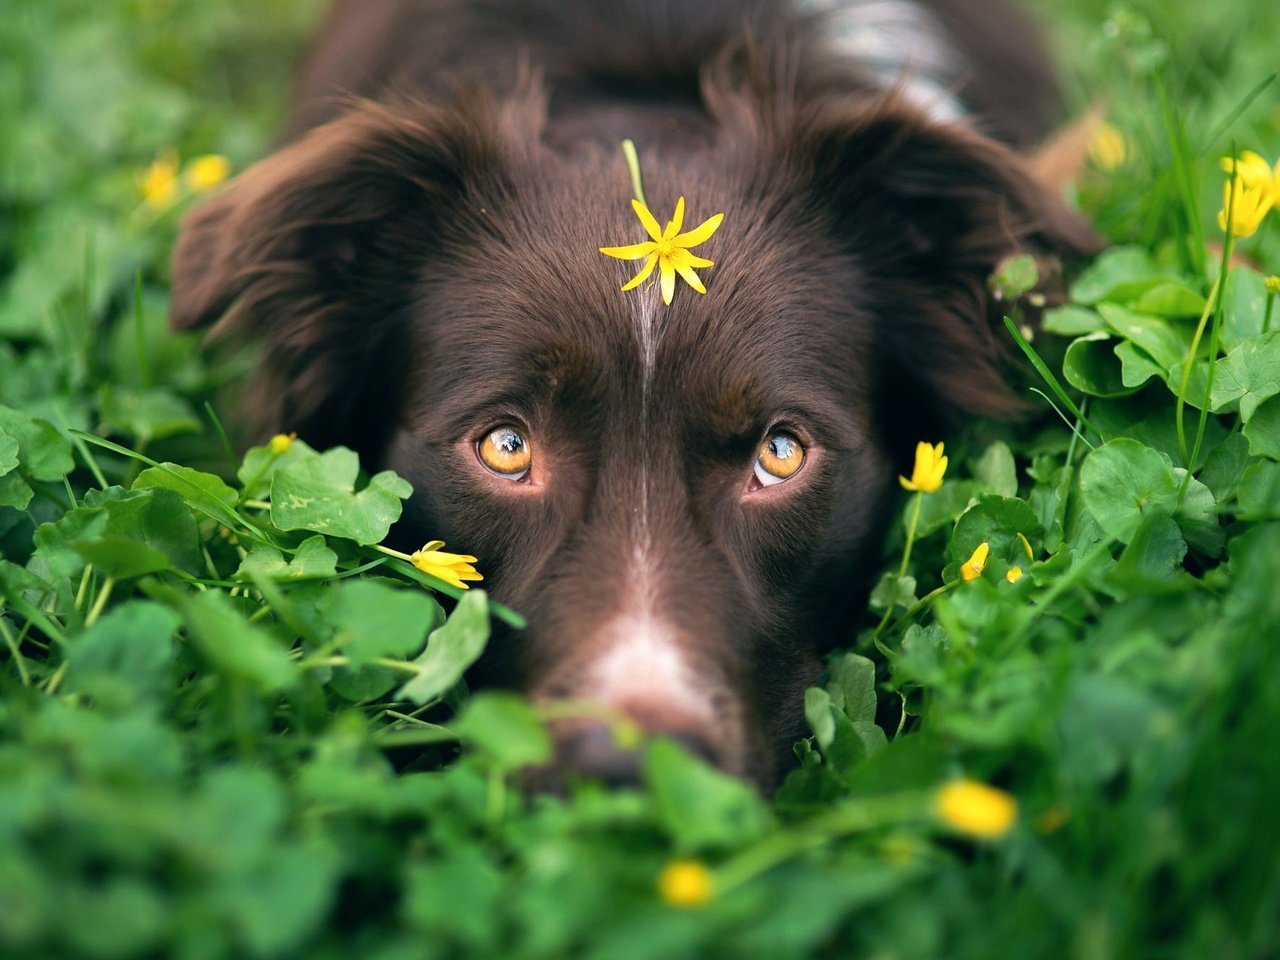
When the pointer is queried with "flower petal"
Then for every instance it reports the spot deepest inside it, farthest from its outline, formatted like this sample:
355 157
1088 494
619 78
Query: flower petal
699 234
643 275
677 221
690 277
650 224
633 251
668 280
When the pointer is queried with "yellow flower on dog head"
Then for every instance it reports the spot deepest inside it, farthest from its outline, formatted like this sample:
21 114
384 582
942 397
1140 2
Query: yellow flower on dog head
452 568
668 250
930 465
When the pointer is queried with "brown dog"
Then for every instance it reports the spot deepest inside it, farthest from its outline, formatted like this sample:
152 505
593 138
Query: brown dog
685 500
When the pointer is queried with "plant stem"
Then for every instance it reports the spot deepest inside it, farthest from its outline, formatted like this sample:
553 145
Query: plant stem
906 559
100 603
18 658
855 816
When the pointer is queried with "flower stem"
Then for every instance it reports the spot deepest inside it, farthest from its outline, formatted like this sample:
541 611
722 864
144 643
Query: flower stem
633 167
906 559
1266 316
855 816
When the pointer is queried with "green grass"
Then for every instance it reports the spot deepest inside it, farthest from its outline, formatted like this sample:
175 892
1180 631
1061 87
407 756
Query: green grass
203 689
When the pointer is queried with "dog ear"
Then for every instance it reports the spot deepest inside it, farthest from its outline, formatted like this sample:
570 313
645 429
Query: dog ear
316 251
929 210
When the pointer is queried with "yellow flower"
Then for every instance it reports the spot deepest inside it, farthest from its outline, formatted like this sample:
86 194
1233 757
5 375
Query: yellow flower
930 465
972 568
685 883
159 183
1249 206
1014 574
976 809
1254 170
452 568
1273 286
1108 148
206 172
281 443
668 250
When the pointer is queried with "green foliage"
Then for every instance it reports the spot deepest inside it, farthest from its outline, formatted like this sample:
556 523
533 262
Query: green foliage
230 726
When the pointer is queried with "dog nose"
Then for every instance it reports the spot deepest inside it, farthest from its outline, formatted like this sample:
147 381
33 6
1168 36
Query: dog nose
593 751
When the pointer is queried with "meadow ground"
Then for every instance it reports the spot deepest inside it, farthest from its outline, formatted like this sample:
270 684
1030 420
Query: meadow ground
1071 753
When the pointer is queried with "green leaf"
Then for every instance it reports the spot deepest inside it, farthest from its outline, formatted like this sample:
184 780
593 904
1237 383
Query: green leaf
43 452
1117 275
893 591
698 806
1014 277
1259 491
1243 307
318 493
1123 481
505 729
1166 344
120 558
451 649
204 491
313 560
126 655
232 645
376 620
1091 367
997 470
1248 375
853 686
261 464
1070 320
146 414
1263 430
1171 299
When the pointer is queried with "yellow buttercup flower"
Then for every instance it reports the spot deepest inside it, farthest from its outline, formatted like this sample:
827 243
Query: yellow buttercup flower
976 809
1254 170
159 182
452 568
1014 574
281 443
668 250
1249 206
972 568
1108 148
685 883
206 172
930 465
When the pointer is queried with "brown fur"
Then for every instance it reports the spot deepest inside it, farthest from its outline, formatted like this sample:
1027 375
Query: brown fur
420 270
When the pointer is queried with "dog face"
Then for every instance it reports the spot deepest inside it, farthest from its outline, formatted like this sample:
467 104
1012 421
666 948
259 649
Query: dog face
685 500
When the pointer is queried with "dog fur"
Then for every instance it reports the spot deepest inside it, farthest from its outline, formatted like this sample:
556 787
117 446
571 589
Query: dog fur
420 263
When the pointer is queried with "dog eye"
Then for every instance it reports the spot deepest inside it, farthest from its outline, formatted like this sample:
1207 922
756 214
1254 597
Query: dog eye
505 452
781 455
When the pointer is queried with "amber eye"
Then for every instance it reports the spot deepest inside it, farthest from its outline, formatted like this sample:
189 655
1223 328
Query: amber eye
781 455
505 451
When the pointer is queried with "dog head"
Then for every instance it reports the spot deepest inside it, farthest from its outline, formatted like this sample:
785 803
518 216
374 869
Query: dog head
686 501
